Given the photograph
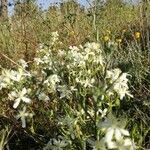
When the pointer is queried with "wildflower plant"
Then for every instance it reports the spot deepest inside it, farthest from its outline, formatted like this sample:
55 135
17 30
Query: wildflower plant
77 89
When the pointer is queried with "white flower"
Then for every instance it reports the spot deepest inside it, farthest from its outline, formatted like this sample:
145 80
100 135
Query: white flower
113 75
6 77
23 63
119 83
116 132
74 48
111 145
11 75
124 132
99 60
47 59
19 96
88 55
92 46
43 97
52 81
122 91
61 53
103 112
22 115
16 76
2 83
38 61
75 56
19 75
59 143
55 34
109 135
41 46
116 137
86 82
121 87
54 37
64 91
122 144
54 144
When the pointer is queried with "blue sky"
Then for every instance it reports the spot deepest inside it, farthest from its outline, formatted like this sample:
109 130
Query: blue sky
45 3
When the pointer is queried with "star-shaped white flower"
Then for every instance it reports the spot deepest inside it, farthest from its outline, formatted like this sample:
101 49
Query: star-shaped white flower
20 96
22 115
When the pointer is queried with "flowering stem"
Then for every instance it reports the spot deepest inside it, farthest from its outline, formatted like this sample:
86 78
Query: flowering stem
95 116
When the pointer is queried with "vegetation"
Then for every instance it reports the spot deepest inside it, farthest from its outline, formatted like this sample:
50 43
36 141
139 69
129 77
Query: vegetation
75 77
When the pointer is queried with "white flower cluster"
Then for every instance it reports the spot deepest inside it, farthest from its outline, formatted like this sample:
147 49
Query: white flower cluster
23 63
52 81
118 138
56 144
118 83
54 37
115 136
62 71
82 61
76 57
87 82
45 58
76 60
12 80
91 52
8 77
100 112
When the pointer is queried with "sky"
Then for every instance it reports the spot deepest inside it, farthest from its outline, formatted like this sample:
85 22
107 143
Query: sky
46 3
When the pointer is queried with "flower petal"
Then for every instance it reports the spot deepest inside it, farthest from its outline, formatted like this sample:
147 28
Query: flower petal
125 132
118 136
111 145
24 91
23 122
109 135
25 99
17 102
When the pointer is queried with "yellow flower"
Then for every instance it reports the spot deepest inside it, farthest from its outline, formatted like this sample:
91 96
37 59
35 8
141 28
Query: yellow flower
119 40
106 38
124 30
137 35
